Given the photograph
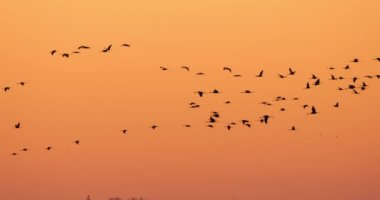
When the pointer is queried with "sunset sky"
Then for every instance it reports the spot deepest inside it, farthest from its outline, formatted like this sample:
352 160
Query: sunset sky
92 96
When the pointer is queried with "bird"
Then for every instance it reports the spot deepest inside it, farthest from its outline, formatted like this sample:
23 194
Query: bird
24 149
212 120
307 86
291 72
83 47
355 60
18 125
281 76
305 106
314 76
186 68
347 67
14 154
317 82
247 91
260 74
49 148
333 77
227 102
163 68
331 68
215 91
378 59
65 55
124 131
77 142
237 75
313 111
105 50
264 119
125 45
200 73
354 79
53 52
282 109
228 127
187 125
293 128
227 69
6 88
154 127
22 83
75 52
336 105
200 93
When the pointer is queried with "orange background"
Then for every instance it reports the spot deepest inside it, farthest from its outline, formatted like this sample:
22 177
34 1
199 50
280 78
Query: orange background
92 96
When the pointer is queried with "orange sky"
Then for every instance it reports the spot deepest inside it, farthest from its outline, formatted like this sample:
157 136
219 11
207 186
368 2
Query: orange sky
92 96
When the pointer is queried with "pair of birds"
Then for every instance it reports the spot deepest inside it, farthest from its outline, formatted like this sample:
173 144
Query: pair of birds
7 88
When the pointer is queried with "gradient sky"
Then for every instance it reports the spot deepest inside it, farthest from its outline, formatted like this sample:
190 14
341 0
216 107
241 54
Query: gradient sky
92 96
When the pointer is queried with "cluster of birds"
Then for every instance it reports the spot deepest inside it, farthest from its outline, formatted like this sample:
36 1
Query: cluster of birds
214 116
84 47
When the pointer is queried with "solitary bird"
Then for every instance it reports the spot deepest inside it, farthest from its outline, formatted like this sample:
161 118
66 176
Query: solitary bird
200 93
105 50
186 68
313 111
83 47
49 148
336 105
227 69
53 52
154 127
24 149
307 85
22 83
200 73
18 125
281 76
215 91
124 131
125 45
317 82
314 76
6 89
264 119
77 142
355 60
378 59
347 67
293 128
291 72
65 55
260 74
247 91
163 68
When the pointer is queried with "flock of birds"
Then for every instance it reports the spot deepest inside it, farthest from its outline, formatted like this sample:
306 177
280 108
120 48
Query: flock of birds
314 81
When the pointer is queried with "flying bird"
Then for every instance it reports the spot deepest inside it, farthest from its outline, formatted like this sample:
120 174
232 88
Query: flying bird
355 60
291 72
124 131
53 52
83 47
227 69
163 68
313 111
77 142
65 55
264 119
125 45
200 93
18 125
6 89
336 105
186 68
105 50
154 127
260 74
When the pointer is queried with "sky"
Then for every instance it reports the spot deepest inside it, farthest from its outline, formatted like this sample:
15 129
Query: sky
92 96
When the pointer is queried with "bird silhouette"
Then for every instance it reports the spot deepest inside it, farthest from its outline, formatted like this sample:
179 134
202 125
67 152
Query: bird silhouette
293 128
75 52
14 154
186 68
347 67
49 148
305 106
163 68
124 131
83 47
154 127
22 83
53 52
107 49
264 119
355 60
200 73
77 142
200 93
18 125
307 86
187 125
215 91
247 92
65 55
227 69
227 102
313 77
228 127
313 111
125 45
378 59
260 74
281 76
24 149
317 82
6 89
336 105
291 72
